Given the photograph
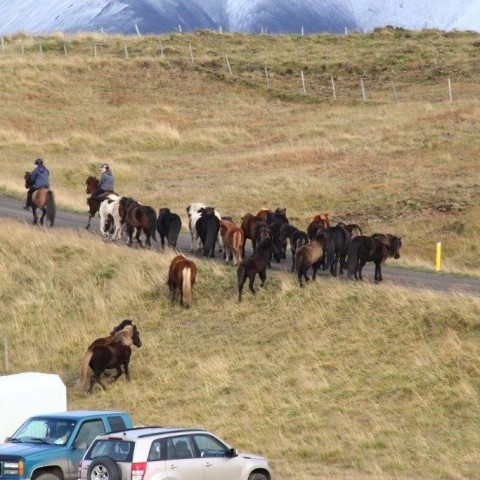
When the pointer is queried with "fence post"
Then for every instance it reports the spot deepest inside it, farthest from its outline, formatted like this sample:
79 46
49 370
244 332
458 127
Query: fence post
266 77
363 90
438 257
22 47
126 51
394 92
161 50
228 65
450 91
334 89
303 82
40 49
65 49
95 50
191 52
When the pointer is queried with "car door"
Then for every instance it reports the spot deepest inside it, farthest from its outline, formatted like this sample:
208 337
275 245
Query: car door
217 465
182 461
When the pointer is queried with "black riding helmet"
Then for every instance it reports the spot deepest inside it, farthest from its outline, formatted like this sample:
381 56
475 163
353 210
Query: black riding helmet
38 161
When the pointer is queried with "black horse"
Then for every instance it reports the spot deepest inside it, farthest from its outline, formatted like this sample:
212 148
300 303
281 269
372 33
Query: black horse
168 227
296 237
114 354
337 240
376 248
257 263
208 226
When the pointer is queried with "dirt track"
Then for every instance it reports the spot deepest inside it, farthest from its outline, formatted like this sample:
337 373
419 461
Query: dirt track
11 207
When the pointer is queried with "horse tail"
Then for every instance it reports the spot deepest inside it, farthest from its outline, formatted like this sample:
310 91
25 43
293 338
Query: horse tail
187 286
84 369
238 241
152 223
299 254
352 259
51 207
173 231
211 238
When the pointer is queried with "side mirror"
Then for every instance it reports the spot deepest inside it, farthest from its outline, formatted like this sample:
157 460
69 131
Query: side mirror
232 452
7 439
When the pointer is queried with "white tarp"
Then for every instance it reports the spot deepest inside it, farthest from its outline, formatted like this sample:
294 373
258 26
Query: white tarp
27 394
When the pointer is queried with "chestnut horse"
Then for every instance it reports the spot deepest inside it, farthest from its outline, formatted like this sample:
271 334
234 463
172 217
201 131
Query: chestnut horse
319 222
181 276
44 200
309 255
114 354
233 240
376 248
140 218
92 202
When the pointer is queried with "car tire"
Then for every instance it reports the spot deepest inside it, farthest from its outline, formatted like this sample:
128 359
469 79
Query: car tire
47 476
103 468
257 476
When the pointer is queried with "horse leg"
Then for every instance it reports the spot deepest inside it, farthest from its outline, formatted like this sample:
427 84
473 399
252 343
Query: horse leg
137 236
44 212
263 277
118 375
148 243
251 280
378 272
360 268
35 216
125 367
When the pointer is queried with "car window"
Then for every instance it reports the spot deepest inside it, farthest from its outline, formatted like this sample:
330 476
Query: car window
179 448
116 423
208 446
118 450
158 450
87 433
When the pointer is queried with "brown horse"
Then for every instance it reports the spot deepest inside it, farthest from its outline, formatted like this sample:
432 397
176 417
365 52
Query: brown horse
376 248
114 354
44 200
257 263
319 222
181 276
309 255
233 240
140 218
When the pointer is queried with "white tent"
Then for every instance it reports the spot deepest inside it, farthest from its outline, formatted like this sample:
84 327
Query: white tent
27 394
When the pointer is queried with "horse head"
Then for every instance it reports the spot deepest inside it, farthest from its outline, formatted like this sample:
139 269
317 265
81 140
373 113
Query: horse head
396 245
207 211
136 337
163 211
26 177
92 184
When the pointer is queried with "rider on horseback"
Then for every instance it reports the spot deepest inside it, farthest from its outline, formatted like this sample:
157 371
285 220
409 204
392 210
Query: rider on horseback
39 178
106 181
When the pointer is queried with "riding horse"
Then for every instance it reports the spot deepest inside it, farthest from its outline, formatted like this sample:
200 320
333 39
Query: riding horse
309 256
257 263
42 199
296 237
114 354
140 218
92 202
181 276
376 248
233 239
168 227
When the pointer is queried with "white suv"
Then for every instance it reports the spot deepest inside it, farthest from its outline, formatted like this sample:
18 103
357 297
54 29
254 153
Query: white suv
158 453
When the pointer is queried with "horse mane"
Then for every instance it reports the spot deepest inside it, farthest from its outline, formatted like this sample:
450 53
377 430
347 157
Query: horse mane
124 336
121 326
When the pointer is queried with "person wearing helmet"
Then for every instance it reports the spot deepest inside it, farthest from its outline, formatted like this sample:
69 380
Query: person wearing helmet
39 178
106 181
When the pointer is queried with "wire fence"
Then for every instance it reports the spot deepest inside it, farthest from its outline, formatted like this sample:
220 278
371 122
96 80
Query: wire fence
287 83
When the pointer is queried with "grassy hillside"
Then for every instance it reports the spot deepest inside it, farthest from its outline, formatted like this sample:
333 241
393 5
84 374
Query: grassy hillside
335 380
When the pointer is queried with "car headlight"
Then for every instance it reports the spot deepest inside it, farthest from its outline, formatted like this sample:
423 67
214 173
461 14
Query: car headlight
14 468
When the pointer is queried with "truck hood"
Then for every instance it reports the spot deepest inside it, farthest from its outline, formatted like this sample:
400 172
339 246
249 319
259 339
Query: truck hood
22 449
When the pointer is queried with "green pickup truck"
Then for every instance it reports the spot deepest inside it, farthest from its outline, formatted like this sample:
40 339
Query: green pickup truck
50 446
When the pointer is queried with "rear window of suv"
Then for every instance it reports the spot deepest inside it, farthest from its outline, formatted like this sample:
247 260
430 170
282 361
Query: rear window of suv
118 450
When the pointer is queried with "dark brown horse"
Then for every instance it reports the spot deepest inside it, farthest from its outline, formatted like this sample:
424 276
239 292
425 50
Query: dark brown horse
376 248
181 276
44 200
114 354
138 217
257 263
248 225
309 256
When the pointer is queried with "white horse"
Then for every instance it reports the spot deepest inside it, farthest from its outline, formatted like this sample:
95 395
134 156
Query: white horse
194 211
110 207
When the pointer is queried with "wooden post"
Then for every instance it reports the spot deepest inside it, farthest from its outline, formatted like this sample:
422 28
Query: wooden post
266 77
450 91
95 50
40 49
303 82
228 65
65 49
161 50
363 90
191 52
334 89
22 47
438 257
126 51
394 92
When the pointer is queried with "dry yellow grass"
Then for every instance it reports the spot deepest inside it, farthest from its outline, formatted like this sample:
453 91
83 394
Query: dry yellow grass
340 381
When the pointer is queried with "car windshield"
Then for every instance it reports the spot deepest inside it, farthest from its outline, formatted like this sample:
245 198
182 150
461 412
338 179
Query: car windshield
44 430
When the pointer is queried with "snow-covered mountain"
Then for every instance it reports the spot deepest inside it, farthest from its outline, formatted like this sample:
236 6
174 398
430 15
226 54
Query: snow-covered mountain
272 16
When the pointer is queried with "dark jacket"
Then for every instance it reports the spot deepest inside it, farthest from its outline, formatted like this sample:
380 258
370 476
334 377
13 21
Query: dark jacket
106 181
40 177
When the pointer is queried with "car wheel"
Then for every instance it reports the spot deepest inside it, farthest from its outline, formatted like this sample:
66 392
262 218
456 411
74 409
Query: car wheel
257 476
103 468
47 476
